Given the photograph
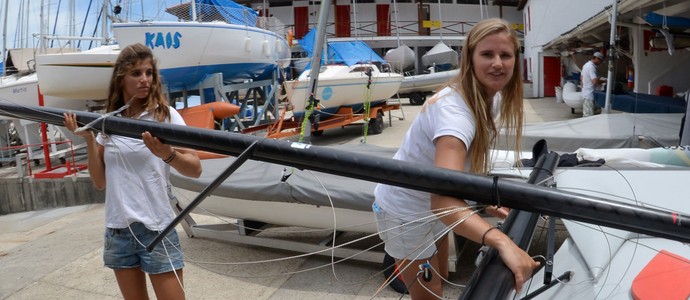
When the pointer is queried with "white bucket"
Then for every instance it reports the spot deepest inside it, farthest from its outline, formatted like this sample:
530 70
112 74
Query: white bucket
559 94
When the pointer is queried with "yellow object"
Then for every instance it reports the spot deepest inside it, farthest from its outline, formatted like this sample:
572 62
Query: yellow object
431 24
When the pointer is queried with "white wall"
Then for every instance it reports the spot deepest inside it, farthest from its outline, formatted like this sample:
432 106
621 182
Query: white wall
660 68
407 12
549 19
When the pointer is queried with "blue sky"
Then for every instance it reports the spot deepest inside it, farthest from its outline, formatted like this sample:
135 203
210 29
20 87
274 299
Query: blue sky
18 10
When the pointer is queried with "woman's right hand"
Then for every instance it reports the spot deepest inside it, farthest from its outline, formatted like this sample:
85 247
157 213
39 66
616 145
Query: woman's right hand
72 125
519 262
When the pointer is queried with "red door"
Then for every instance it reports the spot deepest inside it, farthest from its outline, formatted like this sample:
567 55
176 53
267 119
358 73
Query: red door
342 20
552 75
383 20
301 21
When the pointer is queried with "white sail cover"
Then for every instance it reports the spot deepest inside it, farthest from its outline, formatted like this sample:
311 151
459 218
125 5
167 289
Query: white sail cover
400 58
441 55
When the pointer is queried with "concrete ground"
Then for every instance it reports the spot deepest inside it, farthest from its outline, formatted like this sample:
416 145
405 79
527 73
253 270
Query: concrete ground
56 254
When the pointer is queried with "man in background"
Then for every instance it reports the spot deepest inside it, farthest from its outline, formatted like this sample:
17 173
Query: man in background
590 81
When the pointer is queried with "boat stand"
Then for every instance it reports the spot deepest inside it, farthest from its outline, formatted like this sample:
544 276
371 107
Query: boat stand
256 99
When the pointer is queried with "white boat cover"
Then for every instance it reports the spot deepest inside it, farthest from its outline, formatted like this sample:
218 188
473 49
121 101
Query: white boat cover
602 131
261 181
441 54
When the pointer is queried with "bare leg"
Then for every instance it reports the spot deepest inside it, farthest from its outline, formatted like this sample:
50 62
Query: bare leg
442 256
416 284
132 283
167 286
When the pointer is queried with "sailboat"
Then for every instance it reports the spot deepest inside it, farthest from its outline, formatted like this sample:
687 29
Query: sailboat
77 75
21 87
349 76
217 36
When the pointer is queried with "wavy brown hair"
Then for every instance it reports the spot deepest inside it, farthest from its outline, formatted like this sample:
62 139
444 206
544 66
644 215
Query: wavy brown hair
129 57
511 110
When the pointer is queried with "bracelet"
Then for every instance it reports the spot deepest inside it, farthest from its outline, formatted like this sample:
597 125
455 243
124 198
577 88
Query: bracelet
484 235
171 157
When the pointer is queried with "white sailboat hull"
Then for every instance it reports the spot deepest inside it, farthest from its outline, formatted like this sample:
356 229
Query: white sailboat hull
23 91
77 75
340 85
189 51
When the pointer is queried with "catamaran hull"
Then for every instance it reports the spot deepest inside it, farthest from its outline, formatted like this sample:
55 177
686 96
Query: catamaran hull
609 263
425 83
189 51
283 214
77 75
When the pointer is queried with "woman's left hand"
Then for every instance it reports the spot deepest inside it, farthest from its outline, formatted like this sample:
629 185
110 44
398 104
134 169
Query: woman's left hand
157 147
498 212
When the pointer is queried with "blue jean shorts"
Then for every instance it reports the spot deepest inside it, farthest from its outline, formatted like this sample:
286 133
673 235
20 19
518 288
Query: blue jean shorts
122 250
410 240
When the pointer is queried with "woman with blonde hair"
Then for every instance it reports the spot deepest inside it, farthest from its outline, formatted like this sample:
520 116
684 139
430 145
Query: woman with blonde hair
134 174
456 129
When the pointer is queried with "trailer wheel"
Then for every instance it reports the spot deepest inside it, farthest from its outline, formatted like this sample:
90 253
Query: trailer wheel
417 99
376 124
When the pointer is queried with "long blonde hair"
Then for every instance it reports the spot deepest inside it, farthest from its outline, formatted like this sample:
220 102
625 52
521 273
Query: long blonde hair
130 56
467 84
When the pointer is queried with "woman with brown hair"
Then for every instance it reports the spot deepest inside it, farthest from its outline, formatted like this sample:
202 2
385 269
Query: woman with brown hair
134 174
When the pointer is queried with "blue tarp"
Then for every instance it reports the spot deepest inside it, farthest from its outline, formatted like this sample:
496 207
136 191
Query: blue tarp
679 23
642 103
231 11
348 53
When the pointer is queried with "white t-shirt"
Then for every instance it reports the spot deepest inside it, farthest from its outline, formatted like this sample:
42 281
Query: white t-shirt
445 114
589 72
136 181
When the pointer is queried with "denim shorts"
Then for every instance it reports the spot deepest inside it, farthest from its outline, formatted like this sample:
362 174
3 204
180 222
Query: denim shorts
409 240
122 250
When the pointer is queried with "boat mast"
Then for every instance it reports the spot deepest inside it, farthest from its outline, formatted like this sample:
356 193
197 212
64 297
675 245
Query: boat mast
4 40
611 56
104 26
315 67
42 32
318 47
193 10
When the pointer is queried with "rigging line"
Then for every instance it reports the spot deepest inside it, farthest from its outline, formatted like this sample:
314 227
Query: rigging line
335 222
315 230
322 250
432 240
300 256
